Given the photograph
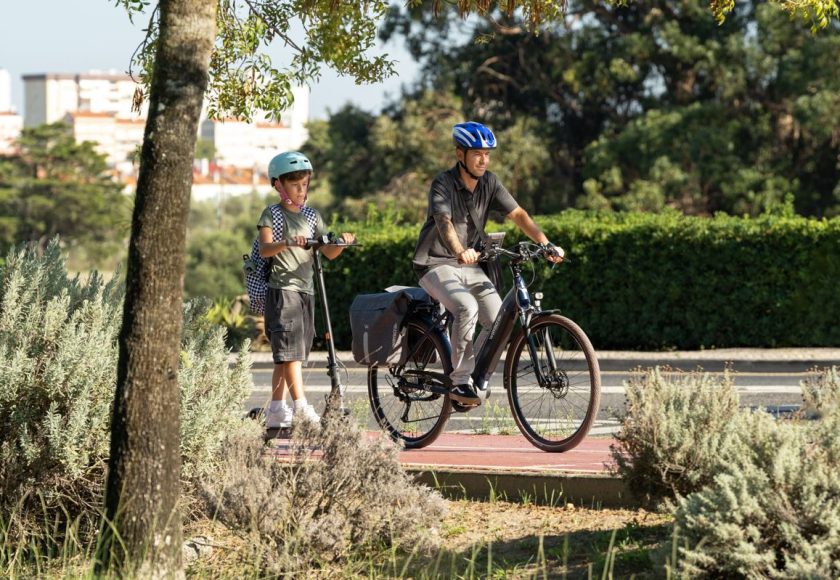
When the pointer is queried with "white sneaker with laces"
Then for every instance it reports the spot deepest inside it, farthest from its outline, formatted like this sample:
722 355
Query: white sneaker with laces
307 413
279 419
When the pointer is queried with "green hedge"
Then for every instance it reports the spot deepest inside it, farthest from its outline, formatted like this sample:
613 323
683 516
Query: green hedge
640 281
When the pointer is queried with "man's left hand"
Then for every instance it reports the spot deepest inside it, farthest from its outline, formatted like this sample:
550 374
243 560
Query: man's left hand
554 254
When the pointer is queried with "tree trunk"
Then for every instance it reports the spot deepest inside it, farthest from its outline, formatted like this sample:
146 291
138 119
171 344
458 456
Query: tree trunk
142 534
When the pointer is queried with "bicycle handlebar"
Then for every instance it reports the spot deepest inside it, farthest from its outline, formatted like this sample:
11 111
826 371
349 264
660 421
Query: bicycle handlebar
524 251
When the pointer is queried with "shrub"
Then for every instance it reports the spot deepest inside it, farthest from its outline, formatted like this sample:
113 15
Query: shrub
348 506
636 281
640 281
232 316
675 434
821 393
774 510
58 338
214 264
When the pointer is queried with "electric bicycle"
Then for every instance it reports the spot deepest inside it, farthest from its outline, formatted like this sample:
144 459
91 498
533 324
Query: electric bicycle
551 373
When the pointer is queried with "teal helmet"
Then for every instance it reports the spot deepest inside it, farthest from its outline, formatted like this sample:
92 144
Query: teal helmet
288 162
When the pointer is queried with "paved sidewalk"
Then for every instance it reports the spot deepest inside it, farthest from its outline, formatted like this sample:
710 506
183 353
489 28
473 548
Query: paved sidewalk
498 453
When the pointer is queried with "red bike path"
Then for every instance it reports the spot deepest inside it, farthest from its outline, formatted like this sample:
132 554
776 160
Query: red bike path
481 466
509 453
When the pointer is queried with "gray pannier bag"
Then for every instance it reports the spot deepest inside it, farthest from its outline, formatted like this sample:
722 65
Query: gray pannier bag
376 321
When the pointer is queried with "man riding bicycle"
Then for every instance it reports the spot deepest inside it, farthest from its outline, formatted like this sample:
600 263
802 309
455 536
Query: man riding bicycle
446 259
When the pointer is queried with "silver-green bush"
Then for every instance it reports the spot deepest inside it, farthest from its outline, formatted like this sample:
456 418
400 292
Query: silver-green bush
337 498
821 391
675 433
58 347
773 511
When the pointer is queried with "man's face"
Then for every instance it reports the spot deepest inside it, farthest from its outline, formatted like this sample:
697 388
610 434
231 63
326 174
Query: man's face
295 189
476 160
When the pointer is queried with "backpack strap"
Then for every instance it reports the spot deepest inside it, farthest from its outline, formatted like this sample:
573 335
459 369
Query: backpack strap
479 228
277 223
311 218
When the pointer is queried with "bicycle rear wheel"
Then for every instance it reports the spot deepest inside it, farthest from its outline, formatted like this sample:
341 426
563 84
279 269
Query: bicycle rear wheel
556 410
403 407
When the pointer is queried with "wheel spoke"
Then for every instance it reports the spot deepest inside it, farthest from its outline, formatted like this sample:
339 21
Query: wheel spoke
405 410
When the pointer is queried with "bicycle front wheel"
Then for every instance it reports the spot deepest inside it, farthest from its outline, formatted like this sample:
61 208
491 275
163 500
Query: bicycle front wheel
400 400
553 383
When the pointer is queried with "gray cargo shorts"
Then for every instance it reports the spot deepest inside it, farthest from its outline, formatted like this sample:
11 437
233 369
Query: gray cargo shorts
289 324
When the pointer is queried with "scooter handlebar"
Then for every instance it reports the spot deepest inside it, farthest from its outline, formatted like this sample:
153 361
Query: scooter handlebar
329 239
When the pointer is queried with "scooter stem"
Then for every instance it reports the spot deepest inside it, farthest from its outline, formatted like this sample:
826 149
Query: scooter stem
337 390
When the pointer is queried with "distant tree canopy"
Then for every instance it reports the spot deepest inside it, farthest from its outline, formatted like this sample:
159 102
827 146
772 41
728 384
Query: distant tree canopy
635 107
57 186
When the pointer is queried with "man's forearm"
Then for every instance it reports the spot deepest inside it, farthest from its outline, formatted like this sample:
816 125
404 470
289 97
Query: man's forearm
447 232
528 226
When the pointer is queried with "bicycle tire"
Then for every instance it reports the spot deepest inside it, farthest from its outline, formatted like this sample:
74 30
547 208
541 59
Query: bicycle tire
427 413
554 418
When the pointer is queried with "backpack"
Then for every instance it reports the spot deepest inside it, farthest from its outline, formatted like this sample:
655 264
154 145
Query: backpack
257 268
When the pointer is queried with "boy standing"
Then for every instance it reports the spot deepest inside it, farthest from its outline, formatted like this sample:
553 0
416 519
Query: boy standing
289 307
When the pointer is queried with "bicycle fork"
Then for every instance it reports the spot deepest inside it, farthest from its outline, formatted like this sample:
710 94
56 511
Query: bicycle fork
526 316
547 355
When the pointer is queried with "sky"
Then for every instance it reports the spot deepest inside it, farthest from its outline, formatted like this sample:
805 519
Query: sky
77 36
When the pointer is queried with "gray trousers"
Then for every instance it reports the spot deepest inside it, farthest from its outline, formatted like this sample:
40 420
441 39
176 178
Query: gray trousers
470 297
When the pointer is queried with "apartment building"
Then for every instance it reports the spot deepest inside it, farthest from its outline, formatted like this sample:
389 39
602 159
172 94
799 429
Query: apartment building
5 91
116 138
10 126
248 145
48 98
10 122
98 107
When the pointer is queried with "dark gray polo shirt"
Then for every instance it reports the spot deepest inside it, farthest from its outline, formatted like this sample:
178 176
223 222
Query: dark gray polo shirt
448 196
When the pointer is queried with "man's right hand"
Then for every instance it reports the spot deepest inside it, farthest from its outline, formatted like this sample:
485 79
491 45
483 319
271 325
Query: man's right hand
468 256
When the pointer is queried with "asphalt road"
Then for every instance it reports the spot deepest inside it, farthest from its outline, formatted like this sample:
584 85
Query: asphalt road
760 388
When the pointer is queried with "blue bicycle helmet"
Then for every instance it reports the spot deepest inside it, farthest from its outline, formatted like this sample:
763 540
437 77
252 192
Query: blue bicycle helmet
472 135
287 163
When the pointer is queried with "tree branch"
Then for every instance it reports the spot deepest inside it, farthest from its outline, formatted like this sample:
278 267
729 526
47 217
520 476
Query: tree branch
485 67
286 39
503 29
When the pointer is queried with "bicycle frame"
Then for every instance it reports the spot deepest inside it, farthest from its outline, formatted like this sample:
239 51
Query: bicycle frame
516 307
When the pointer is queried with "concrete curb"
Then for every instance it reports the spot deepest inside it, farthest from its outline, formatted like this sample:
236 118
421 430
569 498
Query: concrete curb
543 488
740 360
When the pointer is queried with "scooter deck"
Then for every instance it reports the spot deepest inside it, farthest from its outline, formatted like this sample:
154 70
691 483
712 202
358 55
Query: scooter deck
277 433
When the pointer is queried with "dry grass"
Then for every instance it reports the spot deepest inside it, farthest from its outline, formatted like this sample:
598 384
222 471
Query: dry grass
524 541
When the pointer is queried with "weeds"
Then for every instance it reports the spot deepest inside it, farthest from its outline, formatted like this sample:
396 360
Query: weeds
495 420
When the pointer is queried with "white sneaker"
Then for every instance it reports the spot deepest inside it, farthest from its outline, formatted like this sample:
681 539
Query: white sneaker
279 419
307 413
